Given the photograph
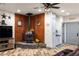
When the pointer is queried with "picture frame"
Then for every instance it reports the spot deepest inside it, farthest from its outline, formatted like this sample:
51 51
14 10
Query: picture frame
19 23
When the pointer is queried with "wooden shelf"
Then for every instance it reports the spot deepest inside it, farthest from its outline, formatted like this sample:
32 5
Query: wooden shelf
6 45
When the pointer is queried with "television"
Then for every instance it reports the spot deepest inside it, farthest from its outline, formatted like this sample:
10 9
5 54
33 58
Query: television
5 31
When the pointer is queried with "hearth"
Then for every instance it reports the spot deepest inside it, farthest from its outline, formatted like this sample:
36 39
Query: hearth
30 45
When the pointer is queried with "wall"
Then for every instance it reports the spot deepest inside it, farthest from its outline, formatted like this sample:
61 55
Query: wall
59 22
39 27
9 22
72 18
20 30
32 22
50 28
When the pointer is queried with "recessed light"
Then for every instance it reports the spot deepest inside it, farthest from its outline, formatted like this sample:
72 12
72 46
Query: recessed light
39 10
62 10
18 10
67 13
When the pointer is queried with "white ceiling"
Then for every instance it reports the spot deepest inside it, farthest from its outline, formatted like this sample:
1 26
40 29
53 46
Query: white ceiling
72 8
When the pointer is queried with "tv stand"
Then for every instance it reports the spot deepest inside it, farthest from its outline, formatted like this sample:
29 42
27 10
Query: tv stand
6 43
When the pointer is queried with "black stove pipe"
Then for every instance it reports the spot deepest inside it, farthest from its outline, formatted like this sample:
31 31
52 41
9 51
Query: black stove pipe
29 15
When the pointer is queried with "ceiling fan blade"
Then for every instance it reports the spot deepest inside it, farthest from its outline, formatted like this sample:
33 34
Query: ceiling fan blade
45 4
56 7
55 3
49 5
39 7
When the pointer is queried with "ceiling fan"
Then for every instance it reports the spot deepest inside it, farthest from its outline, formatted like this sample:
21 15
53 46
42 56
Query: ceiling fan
51 5
48 6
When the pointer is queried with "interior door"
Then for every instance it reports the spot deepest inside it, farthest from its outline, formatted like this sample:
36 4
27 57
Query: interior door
72 33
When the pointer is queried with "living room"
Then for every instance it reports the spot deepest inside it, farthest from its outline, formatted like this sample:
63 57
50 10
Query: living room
35 29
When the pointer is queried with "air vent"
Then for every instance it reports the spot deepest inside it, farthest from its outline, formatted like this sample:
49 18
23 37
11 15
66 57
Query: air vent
72 18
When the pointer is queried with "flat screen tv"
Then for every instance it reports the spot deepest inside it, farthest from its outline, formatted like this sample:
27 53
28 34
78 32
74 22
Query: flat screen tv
5 31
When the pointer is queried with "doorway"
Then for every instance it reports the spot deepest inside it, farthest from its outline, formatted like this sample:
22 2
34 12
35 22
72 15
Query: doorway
71 33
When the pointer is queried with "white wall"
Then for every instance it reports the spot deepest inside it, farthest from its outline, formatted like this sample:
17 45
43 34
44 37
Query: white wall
50 27
73 18
9 22
59 21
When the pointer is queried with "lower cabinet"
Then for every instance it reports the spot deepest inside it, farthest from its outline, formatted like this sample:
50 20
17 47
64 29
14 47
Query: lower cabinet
6 44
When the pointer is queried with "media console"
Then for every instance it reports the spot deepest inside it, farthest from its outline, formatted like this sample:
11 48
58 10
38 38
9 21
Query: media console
6 43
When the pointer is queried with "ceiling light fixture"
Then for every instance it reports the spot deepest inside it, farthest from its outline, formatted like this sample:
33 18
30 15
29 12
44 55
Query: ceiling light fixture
62 10
39 10
18 10
48 9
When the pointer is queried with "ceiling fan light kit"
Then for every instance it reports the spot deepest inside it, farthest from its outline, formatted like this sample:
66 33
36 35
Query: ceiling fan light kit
47 9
